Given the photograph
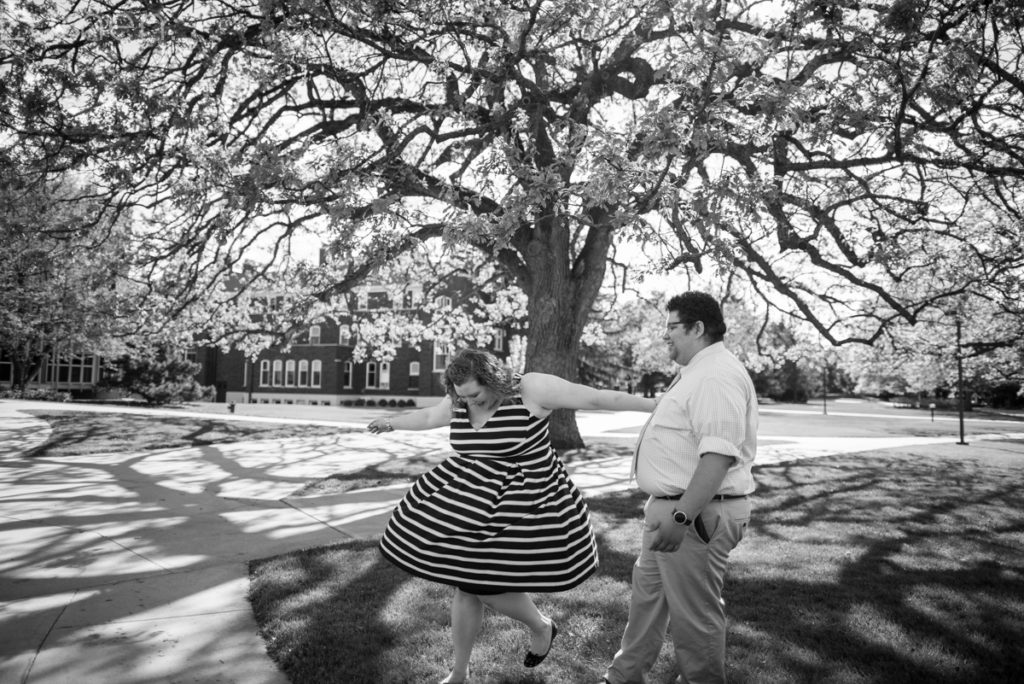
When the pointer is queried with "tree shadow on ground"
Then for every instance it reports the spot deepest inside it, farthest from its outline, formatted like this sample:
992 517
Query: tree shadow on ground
90 526
370 476
880 568
867 568
82 433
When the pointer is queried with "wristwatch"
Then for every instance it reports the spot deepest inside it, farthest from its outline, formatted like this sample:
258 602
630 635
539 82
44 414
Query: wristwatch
681 518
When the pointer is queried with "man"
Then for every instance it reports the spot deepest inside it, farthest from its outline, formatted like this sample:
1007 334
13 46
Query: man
694 459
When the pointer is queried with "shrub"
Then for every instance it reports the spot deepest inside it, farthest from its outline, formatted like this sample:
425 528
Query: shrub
159 378
360 402
371 402
40 394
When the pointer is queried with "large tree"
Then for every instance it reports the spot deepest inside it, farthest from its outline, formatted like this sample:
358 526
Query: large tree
829 151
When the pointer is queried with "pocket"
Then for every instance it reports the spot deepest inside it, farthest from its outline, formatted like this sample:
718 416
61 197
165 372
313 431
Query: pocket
700 527
742 529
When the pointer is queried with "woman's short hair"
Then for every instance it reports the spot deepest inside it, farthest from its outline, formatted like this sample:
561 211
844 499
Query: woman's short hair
482 366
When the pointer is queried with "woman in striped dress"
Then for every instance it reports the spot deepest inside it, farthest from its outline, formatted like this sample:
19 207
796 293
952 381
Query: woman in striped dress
501 517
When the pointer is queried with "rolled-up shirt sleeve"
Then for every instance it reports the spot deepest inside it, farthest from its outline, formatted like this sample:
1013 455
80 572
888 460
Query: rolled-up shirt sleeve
718 418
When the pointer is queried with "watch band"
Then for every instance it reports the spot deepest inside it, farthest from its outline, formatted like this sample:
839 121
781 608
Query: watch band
681 518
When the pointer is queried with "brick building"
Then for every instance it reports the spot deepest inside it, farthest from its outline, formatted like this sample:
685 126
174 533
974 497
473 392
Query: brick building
318 367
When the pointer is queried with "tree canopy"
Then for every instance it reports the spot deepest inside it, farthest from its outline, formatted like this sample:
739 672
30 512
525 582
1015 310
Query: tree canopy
857 163
64 289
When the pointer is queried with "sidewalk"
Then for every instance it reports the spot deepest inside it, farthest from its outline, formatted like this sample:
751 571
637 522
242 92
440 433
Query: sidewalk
133 568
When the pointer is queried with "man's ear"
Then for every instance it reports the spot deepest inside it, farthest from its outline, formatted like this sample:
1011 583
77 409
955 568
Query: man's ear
699 327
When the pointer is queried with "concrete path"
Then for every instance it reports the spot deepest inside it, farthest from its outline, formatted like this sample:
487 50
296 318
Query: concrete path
132 568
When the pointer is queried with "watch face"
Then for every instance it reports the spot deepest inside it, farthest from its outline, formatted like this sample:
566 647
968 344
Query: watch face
679 517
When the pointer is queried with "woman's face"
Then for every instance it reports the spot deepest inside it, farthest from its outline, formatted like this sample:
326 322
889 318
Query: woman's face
475 394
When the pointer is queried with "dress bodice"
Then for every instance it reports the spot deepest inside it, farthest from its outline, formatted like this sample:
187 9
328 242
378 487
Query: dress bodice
512 432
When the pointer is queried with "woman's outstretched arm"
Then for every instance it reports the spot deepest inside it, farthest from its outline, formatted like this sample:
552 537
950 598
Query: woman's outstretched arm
552 392
425 418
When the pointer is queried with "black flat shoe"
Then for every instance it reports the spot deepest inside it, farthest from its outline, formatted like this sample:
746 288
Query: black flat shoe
533 659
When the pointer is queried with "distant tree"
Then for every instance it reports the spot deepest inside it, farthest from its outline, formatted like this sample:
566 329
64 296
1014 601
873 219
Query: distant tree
490 303
264 308
1004 395
622 343
922 359
826 151
781 375
626 336
63 283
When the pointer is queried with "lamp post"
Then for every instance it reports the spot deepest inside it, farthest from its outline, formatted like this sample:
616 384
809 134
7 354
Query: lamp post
824 389
960 381
250 368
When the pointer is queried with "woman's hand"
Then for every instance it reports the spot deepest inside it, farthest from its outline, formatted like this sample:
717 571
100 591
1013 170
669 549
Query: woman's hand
380 425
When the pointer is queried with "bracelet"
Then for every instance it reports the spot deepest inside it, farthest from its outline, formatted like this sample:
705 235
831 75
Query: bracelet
388 427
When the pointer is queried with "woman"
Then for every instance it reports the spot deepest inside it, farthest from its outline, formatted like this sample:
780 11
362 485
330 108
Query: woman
501 517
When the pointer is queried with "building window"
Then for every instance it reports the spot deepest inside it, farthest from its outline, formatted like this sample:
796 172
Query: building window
289 373
362 300
316 373
346 375
371 375
443 302
385 375
441 353
412 296
499 340
314 334
303 373
414 375
344 337
245 373
278 379
74 369
264 373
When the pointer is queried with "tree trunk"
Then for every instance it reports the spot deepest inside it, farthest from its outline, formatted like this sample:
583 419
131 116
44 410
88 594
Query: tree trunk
25 367
561 289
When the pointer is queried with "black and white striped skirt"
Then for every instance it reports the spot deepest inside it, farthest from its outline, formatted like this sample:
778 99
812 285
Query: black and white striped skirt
490 525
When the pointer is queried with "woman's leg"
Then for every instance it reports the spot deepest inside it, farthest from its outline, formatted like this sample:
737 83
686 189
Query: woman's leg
519 606
467 616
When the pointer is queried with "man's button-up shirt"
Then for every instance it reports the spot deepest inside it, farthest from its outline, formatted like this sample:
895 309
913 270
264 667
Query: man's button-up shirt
711 408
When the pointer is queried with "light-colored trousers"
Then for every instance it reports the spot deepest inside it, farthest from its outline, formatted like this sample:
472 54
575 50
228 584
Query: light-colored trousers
682 591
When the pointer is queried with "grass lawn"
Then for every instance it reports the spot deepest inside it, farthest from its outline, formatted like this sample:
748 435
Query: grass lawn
880 567
895 566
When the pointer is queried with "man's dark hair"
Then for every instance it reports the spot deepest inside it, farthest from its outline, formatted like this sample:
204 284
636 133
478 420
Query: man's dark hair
699 306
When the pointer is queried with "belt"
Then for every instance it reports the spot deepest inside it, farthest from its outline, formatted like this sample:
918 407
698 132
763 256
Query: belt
716 497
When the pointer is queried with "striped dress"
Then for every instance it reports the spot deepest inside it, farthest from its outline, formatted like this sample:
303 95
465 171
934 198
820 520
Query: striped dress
500 515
